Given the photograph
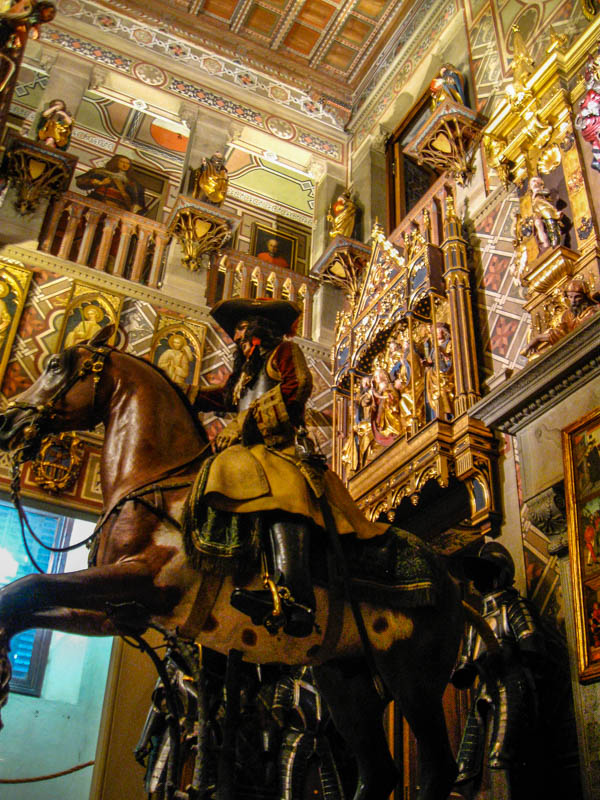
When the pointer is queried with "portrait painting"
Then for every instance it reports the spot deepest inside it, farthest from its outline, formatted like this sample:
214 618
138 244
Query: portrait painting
273 246
581 453
177 349
115 183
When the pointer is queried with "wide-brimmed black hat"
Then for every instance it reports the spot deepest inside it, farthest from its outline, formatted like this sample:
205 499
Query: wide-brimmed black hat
229 313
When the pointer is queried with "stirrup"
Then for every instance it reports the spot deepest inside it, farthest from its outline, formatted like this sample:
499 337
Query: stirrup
295 619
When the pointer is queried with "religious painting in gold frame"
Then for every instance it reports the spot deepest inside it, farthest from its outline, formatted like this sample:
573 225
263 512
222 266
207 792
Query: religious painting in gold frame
581 453
177 348
14 288
87 312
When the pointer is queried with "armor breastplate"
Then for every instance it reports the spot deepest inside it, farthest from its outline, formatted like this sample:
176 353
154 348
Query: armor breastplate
495 613
261 385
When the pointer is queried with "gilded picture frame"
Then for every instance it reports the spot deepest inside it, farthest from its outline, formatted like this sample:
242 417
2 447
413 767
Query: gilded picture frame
178 348
581 454
287 246
87 312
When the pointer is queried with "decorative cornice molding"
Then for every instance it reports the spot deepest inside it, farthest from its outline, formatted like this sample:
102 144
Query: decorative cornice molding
564 368
37 260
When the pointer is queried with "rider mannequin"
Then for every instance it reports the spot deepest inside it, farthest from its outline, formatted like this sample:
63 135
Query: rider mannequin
258 468
269 387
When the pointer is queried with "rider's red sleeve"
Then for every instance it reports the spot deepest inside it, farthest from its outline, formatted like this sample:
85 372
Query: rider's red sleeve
289 366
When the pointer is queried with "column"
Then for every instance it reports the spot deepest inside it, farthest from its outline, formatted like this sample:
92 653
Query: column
369 173
160 242
57 209
140 253
75 213
456 276
108 230
127 230
92 219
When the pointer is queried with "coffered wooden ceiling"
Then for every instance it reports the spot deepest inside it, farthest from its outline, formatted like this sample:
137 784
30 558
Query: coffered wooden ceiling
328 48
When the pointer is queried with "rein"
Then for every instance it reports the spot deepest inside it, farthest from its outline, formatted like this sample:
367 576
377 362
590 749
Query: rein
32 434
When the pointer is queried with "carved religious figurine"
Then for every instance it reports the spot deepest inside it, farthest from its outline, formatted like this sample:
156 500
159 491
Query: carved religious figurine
388 423
503 713
520 260
588 118
18 20
55 125
581 306
406 372
342 216
360 438
211 180
439 375
365 411
176 360
302 717
114 184
522 64
546 217
449 84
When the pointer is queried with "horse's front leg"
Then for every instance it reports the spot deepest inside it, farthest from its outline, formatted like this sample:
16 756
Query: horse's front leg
94 589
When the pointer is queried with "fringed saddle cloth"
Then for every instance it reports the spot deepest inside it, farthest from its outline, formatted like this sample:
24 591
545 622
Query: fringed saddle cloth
395 568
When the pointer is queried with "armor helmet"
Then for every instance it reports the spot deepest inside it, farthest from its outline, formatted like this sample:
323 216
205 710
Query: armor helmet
492 567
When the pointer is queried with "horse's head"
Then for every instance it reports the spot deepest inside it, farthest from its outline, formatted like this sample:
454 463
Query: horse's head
63 398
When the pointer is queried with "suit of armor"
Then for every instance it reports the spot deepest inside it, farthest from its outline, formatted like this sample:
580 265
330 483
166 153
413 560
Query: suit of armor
299 711
505 699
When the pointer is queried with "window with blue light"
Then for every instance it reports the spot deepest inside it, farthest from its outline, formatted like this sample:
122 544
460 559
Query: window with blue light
28 650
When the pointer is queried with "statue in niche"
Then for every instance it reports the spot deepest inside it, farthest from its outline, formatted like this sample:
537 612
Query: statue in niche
405 364
342 216
547 219
588 118
581 306
523 64
388 424
55 125
520 260
210 180
439 374
114 184
504 709
449 84
360 441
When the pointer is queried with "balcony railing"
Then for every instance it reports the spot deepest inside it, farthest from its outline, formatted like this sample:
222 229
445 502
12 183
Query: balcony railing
242 275
107 239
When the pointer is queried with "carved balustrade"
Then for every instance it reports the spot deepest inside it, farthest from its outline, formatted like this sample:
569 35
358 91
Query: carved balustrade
241 275
107 239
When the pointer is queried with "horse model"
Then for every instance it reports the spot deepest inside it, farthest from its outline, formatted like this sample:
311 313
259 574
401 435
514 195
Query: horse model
153 446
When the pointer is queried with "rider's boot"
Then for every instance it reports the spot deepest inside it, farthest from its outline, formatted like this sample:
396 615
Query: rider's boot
290 542
291 552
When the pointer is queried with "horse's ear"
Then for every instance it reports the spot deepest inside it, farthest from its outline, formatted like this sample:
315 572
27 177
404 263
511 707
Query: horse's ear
103 335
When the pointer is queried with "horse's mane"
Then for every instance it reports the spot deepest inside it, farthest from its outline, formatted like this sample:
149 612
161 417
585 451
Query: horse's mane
182 395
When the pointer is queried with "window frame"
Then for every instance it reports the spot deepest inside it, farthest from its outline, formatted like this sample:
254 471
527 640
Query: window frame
32 684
